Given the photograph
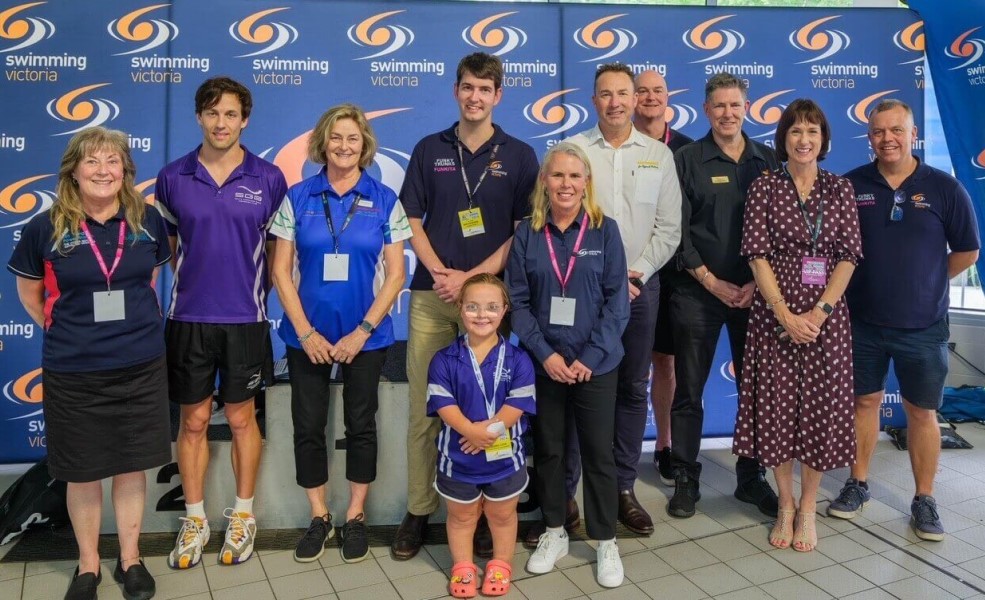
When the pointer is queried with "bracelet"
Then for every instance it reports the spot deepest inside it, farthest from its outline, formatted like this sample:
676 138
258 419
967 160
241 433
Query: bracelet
705 276
304 338
778 300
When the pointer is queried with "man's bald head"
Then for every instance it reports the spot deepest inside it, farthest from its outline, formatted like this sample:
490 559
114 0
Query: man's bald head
651 96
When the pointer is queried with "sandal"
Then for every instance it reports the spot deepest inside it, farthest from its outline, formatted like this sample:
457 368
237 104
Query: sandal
805 534
497 579
782 533
463 580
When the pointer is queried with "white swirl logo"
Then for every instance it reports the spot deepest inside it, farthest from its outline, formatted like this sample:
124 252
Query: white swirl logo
563 117
389 38
485 36
272 36
615 40
965 47
88 112
828 41
30 30
154 32
724 41
679 116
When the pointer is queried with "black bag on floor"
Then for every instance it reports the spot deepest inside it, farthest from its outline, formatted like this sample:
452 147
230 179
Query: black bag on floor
35 499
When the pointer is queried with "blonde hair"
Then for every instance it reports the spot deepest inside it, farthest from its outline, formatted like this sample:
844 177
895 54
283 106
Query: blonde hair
484 279
540 204
317 141
66 212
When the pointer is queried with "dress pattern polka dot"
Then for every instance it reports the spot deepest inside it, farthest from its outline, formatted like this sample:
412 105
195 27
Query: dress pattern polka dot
796 400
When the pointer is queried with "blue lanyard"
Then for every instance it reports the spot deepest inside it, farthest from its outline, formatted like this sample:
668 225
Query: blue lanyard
497 375
345 224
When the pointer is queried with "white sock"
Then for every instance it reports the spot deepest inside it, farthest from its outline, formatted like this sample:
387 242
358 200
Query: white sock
243 505
604 543
558 531
196 510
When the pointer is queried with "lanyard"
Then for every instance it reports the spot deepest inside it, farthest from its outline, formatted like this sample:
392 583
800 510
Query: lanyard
497 375
465 179
108 273
667 134
345 224
815 231
574 253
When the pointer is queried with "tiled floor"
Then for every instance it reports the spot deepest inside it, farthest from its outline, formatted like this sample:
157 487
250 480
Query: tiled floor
720 553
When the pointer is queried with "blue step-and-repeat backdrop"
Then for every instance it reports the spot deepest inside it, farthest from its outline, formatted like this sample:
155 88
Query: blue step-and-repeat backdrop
135 66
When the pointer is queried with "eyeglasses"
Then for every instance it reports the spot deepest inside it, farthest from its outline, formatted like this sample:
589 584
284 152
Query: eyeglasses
477 309
896 213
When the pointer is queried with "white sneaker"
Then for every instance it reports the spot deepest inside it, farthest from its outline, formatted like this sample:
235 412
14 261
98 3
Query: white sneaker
240 535
192 537
550 547
610 573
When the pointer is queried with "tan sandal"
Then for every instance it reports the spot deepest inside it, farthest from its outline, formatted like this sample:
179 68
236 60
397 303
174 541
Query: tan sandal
805 533
782 533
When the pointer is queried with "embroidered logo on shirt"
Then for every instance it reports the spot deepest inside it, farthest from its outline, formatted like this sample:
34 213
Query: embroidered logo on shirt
496 169
919 201
865 199
442 165
585 252
248 196
504 375
647 164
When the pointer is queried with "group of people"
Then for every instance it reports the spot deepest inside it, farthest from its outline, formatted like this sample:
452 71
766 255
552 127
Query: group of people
624 251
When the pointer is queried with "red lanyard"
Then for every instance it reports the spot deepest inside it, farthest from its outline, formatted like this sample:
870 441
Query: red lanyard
99 257
574 253
667 134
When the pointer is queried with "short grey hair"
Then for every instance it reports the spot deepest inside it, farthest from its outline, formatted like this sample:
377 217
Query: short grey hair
724 81
890 104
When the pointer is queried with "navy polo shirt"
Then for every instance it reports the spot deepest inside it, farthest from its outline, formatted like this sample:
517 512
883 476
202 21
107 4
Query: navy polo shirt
433 190
73 341
902 281
598 283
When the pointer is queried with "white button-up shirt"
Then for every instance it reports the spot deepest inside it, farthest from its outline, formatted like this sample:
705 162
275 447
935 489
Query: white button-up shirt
636 184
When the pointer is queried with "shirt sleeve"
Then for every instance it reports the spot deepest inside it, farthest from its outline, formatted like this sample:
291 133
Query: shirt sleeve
690 258
666 235
526 180
756 240
278 189
524 318
439 385
397 228
413 194
27 261
522 394
162 201
284 224
848 246
960 225
158 228
607 331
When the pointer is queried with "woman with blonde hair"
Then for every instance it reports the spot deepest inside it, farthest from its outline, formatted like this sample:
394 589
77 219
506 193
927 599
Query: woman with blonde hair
567 280
85 272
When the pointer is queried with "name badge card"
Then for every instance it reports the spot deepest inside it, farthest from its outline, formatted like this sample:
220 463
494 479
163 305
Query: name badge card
471 221
562 311
503 446
108 306
814 270
335 267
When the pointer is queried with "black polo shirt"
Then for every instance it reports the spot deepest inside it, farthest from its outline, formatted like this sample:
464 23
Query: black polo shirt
433 190
713 201
73 341
676 140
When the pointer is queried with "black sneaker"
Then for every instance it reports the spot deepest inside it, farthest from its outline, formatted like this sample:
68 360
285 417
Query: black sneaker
312 544
758 491
661 460
137 581
353 539
686 494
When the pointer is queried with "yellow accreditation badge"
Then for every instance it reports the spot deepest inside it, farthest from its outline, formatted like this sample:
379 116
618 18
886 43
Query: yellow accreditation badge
501 448
471 221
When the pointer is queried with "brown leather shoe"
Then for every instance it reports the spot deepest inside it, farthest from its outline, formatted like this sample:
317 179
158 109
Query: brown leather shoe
572 520
410 536
482 542
632 515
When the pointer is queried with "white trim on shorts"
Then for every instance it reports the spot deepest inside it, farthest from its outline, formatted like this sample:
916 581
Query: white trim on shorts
526 483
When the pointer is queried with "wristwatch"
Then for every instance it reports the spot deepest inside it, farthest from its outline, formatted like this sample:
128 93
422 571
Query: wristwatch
367 327
827 308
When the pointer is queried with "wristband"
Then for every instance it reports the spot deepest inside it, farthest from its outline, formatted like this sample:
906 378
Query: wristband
705 276
776 301
304 338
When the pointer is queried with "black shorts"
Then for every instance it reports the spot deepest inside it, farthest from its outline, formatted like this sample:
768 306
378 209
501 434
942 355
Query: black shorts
240 353
663 340
106 423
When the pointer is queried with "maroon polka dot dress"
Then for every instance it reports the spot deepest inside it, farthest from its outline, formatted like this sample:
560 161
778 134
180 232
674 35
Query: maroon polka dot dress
796 401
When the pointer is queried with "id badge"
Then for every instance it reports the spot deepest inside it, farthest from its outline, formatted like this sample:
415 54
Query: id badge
471 221
108 306
335 267
814 270
503 446
562 311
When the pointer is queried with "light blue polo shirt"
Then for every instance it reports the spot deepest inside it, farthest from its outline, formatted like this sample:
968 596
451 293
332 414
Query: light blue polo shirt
335 308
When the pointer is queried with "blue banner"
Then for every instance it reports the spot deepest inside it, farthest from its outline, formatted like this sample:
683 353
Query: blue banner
133 66
955 47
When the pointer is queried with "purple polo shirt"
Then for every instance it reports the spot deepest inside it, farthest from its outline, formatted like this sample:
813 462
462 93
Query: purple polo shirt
221 274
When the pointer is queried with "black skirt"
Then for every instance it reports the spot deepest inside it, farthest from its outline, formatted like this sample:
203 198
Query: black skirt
106 423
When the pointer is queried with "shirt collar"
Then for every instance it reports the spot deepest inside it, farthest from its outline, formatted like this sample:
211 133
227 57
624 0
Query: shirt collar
575 223
119 216
922 171
498 137
710 150
250 165
321 186
463 350
595 138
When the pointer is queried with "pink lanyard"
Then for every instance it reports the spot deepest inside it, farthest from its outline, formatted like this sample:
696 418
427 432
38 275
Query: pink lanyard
99 257
574 253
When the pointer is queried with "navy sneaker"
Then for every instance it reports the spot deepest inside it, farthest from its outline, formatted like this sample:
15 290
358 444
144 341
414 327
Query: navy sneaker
850 500
924 520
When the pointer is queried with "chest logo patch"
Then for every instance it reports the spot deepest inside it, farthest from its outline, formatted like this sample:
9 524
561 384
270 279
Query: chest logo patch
247 196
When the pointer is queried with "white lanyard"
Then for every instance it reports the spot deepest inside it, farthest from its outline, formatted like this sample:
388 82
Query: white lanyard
497 375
